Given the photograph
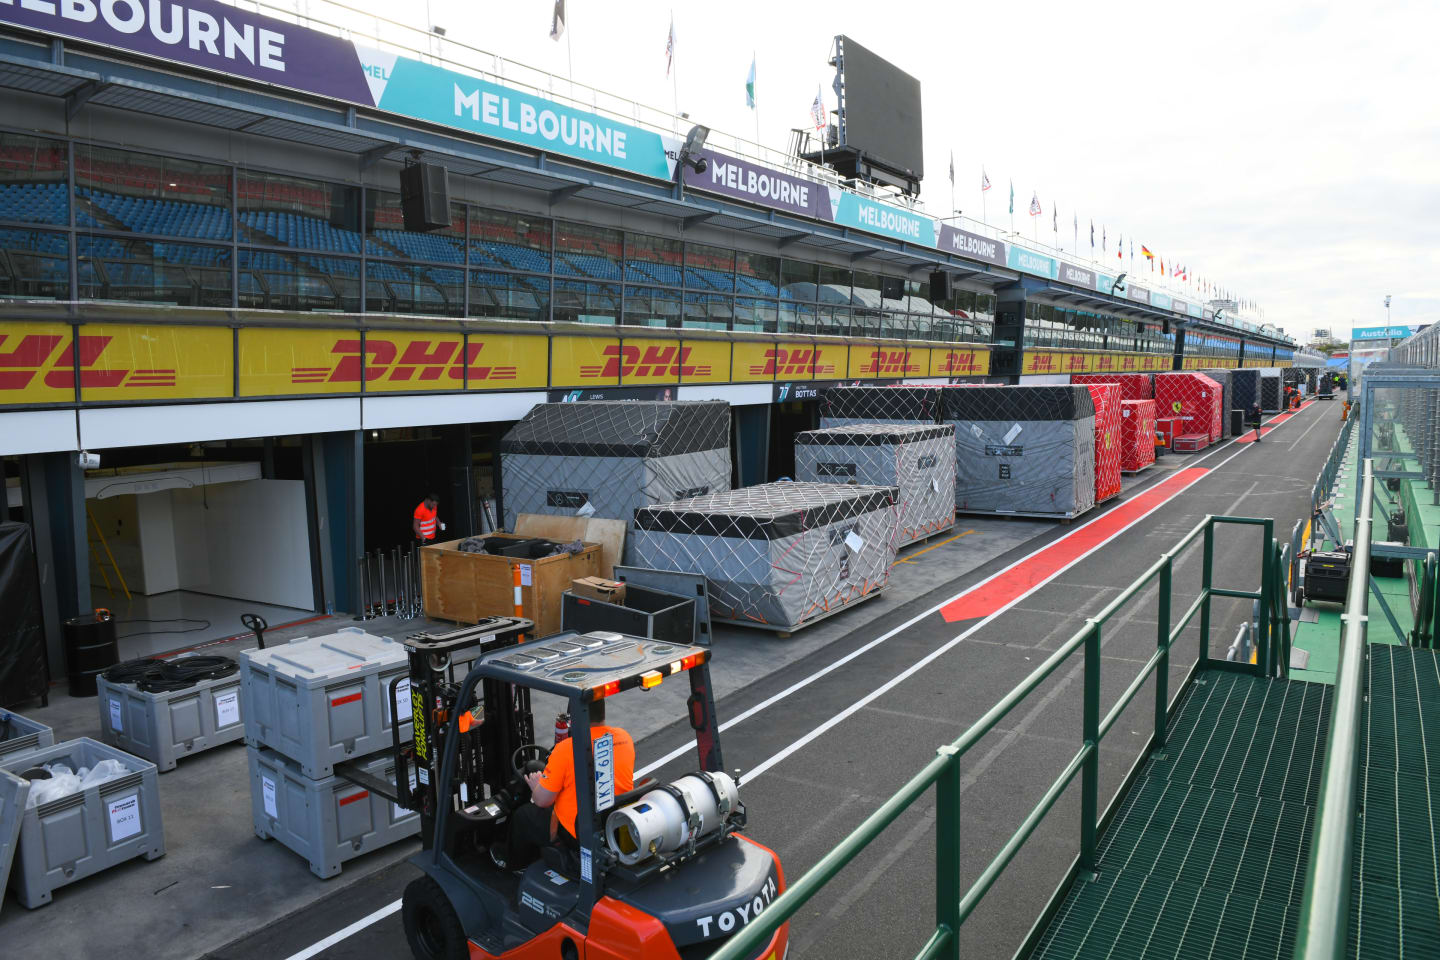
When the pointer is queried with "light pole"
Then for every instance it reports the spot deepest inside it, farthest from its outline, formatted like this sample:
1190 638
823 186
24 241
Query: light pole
1387 309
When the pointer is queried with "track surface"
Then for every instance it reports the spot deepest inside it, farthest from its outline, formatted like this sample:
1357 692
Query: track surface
821 752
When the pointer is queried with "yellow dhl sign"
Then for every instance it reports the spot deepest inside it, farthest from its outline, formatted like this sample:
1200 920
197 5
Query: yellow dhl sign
895 362
46 362
1043 361
279 362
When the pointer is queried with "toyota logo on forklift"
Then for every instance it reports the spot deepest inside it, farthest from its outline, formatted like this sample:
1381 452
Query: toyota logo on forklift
651 871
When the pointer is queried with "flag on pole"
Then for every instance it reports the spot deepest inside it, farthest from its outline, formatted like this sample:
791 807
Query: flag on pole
1104 239
817 110
1120 247
557 22
1012 198
670 48
1092 233
1054 217
952 168
750 85
984 181
1035 210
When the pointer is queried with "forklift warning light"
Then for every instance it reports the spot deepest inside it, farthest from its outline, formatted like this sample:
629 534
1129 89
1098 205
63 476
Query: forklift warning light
648 679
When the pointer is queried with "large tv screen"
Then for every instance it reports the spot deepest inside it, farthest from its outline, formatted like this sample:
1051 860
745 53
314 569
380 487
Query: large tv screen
882 110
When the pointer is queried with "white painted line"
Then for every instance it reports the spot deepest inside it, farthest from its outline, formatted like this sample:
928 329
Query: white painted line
860 651
320 946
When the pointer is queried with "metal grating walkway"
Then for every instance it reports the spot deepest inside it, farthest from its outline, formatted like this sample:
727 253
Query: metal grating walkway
1206 856
1395 894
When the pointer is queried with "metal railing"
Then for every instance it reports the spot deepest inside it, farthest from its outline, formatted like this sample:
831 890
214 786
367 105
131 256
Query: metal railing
952 904
1325 910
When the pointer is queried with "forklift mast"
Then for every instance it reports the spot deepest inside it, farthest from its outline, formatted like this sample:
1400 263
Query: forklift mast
438 664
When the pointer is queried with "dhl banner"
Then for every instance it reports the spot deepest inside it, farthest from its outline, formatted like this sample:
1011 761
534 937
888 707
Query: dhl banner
40 362
754 362
888 362
160 362
36 363
277 362
584 362
959 361
643 361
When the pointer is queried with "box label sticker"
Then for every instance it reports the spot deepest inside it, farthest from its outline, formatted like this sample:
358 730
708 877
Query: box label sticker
1004 471
854 541
267 797
1012 433
585 871
227 708
524 574
117 716
401 708
124 814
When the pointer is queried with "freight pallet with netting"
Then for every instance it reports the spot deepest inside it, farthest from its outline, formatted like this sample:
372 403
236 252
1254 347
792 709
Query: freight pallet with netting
778 556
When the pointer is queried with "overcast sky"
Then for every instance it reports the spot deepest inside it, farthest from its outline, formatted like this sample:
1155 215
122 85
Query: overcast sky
1289 151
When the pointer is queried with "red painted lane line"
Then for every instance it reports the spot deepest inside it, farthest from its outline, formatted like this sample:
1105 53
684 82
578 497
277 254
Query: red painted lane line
987 597
1249 437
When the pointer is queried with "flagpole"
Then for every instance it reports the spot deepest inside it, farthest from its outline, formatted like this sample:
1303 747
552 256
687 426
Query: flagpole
675 72
570 59
757 101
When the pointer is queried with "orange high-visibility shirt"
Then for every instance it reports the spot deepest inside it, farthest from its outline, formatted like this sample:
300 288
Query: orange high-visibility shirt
559 775
426 517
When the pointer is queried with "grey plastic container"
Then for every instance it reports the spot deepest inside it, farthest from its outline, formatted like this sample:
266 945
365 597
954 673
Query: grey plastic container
324 700
326 821
13 792
21 735
162 727
79 835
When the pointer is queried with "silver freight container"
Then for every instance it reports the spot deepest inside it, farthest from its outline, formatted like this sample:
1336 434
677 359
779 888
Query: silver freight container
162 727
21 735
79 835
324 700
327 821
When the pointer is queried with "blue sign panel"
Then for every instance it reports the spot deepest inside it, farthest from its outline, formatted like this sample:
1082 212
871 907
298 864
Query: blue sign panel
1036 263
427 92
865 214
1159 300
1380 333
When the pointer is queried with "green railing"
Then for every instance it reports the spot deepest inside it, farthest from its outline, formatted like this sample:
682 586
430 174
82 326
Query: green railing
1325 910
952 904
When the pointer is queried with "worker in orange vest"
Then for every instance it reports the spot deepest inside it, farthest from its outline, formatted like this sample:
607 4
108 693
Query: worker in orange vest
426 520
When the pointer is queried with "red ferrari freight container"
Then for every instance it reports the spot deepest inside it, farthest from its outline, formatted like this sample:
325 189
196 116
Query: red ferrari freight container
1194 398
1137 434
1106 397
1133 386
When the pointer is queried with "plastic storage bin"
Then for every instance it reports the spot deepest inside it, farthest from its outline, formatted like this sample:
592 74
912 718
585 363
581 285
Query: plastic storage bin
162 727
324 700
19 735
79 835
13 792
326 821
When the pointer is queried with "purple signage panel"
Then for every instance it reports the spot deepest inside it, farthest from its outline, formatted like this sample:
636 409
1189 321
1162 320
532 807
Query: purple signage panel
963 243
206 34
743 180
1069 273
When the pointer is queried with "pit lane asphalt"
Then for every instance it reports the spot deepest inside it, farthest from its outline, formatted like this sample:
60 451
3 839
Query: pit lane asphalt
815 793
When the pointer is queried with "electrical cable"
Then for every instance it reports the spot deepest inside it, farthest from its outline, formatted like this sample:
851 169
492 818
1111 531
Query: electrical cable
204 625
153 675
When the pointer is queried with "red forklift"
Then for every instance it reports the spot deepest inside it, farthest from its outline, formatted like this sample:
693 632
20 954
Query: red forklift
660 872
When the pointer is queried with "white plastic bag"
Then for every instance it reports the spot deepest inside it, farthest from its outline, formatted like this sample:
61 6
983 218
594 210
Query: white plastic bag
104 770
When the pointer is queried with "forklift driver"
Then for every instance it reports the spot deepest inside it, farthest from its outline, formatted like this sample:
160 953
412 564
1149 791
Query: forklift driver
550 816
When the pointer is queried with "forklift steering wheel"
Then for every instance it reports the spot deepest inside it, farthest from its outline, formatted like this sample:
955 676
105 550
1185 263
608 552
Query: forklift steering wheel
517 759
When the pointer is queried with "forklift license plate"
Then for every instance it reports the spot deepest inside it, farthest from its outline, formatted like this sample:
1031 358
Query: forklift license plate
605 773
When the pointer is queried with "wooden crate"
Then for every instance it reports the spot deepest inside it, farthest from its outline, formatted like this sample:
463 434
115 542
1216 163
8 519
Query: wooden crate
467 587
